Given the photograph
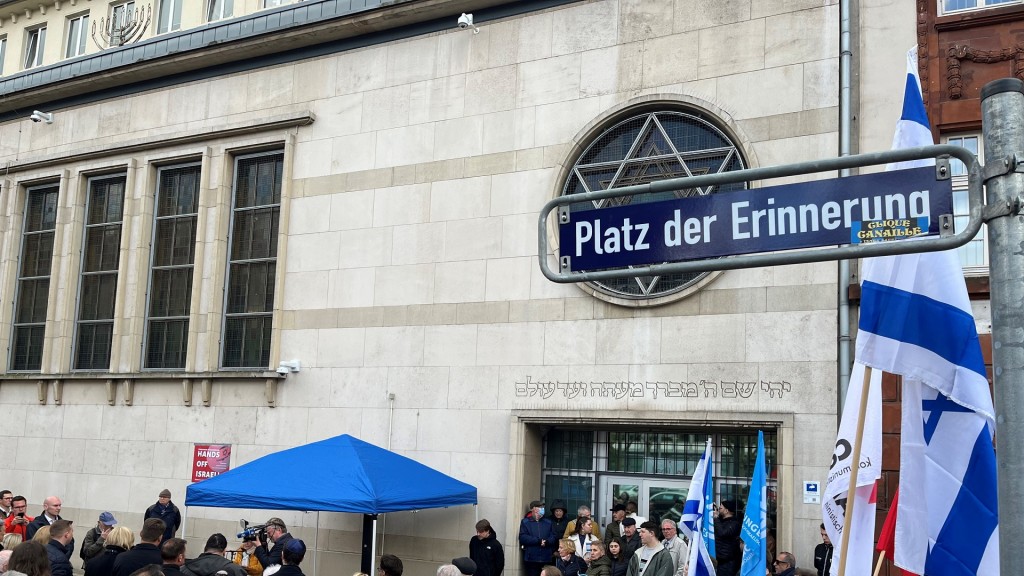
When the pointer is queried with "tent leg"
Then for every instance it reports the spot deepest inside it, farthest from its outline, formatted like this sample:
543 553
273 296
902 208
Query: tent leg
369 543
316 545
184 523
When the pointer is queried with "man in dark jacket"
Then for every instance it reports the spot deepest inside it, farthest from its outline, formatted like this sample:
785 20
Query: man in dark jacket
486 551
277 533
559 518
212 560
96 538
61 535
166 511
536 539
172 551
631 536
823 554
51 513
144 553
785 564
727 539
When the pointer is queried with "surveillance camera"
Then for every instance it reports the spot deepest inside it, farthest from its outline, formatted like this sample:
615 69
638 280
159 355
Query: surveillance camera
38 116
466 21
283 370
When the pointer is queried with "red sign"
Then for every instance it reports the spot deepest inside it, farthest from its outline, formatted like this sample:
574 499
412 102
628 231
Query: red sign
210 460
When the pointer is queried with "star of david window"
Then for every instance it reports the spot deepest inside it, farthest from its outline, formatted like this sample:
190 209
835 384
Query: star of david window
644 148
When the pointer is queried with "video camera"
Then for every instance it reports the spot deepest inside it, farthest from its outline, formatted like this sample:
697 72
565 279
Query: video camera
249 533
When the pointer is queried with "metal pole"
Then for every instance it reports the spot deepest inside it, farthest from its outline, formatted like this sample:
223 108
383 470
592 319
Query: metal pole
1002 112
845 115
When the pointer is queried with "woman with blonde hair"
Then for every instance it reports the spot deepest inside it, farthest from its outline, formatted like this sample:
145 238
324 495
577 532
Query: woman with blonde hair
10 541
42 536
568 562
119 540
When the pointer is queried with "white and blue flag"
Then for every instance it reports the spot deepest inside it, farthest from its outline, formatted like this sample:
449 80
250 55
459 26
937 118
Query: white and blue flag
698 522
916 321
755 519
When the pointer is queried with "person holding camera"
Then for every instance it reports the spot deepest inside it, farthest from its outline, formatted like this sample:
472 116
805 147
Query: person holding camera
17 522
277 533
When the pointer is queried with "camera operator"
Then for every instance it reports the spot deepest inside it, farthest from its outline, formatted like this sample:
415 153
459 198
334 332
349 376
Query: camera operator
277 533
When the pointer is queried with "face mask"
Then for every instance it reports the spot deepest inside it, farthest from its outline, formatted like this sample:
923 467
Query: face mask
540 511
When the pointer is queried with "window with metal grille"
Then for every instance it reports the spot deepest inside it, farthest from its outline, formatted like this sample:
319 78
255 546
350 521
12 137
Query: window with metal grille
173 258
252 261
35 43
644 148
575 461
34 278
974 254
218 9
97 290
169 17
78 32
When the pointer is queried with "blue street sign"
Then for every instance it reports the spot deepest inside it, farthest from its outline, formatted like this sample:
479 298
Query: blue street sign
879 207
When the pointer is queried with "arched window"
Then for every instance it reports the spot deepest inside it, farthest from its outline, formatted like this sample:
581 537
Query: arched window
644 147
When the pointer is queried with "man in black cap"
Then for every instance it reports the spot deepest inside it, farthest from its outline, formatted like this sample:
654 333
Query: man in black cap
465 565
727 539
536 539
165 510
630 536
212 560
614 528
292 555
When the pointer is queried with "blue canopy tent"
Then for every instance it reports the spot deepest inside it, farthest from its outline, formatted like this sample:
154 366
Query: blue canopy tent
340 474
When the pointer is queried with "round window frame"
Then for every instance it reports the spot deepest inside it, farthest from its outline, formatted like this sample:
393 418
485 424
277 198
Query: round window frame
593 131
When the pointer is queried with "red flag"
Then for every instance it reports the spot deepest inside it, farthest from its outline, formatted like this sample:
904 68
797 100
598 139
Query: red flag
887 537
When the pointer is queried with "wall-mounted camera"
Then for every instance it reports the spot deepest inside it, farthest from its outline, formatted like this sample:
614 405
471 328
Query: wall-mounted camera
38 116
466 22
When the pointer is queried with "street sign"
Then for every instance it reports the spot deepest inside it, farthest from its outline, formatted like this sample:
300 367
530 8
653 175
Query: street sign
884 206
845 218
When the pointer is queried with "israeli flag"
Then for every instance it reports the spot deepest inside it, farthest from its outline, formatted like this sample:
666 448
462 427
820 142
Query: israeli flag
916 321
697 522
755 519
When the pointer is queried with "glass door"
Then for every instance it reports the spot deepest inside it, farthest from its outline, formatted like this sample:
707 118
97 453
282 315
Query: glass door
655 498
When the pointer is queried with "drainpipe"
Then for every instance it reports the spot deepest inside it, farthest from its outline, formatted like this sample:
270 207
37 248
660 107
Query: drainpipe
845 119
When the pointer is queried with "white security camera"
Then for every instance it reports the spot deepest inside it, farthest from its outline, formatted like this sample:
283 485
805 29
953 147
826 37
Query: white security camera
38 116
288 366
466 21
283 370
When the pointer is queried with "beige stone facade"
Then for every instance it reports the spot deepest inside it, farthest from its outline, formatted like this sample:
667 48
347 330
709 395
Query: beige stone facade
414 171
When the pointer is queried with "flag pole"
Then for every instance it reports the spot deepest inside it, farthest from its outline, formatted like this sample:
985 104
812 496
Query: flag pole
881 559
855 468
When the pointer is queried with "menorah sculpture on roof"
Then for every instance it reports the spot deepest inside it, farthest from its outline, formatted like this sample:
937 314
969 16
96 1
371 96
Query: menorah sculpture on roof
123 27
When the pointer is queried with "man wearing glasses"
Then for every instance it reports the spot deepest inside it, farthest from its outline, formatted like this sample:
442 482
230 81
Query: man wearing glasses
785 564
17 522
277 533
5 503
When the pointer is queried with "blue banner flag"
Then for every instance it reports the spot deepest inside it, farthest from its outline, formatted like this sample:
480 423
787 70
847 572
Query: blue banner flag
755 520
697 522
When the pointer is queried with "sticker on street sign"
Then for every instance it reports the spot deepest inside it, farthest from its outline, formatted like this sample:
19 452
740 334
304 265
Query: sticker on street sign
886 206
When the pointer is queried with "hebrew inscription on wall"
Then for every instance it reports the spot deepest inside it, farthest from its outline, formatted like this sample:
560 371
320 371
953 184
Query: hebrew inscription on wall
530 388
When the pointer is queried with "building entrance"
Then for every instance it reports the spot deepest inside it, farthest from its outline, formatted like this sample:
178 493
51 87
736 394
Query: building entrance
655 498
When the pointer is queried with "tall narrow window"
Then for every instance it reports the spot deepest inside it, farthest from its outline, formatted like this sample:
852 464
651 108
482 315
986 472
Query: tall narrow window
218 9
121 16
35 43
98 288
974 254
252 261
169 18
174 250
3 53
34 278
78 31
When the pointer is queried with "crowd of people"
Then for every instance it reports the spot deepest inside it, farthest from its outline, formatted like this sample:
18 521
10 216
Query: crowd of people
43 545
